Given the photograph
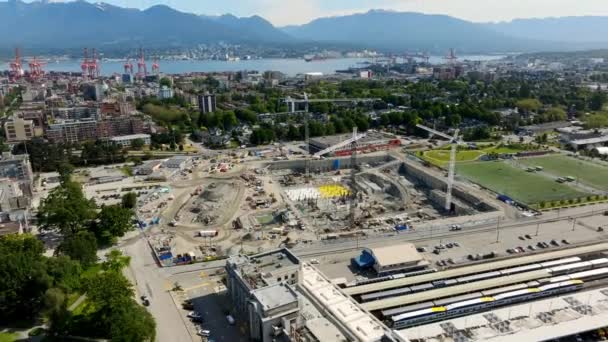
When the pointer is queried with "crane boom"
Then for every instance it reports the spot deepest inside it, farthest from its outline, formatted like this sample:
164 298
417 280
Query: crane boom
430 130
340 145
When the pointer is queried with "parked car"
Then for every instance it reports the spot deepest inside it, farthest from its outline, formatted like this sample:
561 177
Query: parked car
145 301
230 320
203 332
194 314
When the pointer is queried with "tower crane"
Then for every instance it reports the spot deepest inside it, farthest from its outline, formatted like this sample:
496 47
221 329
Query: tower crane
356 137
455 141
16 65
291 108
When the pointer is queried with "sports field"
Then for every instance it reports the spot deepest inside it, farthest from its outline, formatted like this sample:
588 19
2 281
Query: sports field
516 183
441 157
562 166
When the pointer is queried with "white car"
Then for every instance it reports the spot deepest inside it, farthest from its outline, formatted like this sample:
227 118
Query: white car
314 261
194 314
203 332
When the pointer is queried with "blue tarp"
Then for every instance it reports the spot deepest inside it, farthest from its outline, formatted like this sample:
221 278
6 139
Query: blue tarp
365 260
166 256
401 227
505 199
337 164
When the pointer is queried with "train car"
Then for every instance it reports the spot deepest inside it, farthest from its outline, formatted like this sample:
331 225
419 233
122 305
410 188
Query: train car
419 314
385 294
560 262
492 292
470 302
450 300
590 275
520 269
409 308
477 277
421 287
579 266
427 315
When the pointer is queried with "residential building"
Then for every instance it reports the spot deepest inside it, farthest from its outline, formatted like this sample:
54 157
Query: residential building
72 131
126 140
207 103
17 169
18 129
122 125
165 93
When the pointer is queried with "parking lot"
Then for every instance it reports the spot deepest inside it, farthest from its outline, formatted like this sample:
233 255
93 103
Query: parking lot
208 297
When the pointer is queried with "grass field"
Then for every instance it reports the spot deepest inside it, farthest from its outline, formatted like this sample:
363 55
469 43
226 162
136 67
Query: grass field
562 166
442 157
8 337
518 184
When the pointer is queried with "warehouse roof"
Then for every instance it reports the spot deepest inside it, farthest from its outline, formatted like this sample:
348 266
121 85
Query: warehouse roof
454 290
405 253
485 267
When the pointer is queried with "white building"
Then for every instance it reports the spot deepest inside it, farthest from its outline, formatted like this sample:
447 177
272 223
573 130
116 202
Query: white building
126 140
165 93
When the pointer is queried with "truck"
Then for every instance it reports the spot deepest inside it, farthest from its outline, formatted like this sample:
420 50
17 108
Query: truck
207 233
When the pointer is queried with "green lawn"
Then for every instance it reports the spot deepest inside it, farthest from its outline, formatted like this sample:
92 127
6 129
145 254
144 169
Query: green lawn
518 184
442 157
8 337
559 165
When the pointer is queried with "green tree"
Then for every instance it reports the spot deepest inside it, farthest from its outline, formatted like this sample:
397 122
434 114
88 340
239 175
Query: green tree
165 82
112 222
56 311
115 261
23 277
597 100
137 144
65 272
66 209
81 247
528 105
116 314
129 200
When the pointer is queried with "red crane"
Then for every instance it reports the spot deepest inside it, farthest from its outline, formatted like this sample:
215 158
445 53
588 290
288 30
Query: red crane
451 57
85 63
16 66
36 71
142 69
128 67
155 67
93 66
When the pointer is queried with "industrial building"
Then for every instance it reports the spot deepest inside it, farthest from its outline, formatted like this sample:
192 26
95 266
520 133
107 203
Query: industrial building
385 260
177 162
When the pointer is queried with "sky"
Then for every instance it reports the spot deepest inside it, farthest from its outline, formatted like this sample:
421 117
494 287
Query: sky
288 12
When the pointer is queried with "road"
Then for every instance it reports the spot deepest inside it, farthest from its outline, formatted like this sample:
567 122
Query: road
339 246
150 280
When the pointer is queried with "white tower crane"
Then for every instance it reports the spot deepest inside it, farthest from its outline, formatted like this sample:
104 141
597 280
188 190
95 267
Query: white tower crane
452 168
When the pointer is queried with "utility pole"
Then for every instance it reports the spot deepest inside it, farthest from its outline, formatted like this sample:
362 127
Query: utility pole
498 230
573 224
537 228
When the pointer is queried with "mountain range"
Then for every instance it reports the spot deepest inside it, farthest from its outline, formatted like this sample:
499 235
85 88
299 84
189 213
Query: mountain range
76 24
